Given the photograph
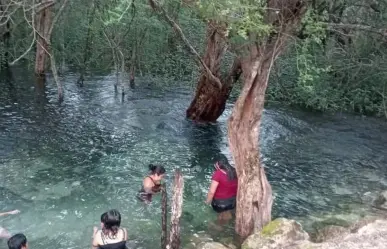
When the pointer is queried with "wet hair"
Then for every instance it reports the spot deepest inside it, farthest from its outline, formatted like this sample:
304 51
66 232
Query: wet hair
230 170
156 169
17 241
111 222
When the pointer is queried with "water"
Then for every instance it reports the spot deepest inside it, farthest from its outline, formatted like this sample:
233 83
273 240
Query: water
64 164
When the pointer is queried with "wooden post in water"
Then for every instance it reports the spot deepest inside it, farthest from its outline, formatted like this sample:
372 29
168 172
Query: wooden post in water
164 227
176 211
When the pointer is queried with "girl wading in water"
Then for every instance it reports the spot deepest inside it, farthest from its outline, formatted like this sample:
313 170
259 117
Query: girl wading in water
152 183
111 236
223 191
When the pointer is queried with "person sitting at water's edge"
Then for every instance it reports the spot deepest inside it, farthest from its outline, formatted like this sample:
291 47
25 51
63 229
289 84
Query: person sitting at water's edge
18 241
4 234
223 190
111 236
152 183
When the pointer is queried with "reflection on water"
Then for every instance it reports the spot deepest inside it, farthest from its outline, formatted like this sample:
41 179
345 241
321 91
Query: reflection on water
64 164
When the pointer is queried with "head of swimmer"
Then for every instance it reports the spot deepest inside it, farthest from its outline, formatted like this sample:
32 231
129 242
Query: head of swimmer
18 241
157 172
110 222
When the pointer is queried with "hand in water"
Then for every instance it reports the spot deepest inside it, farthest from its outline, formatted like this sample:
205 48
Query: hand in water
95 230
14 211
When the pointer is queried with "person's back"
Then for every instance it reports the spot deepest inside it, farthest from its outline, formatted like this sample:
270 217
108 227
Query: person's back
111 236
227 188
18 241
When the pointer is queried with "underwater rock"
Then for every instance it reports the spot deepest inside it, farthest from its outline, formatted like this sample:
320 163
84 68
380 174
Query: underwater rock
288 234
277 234
381 201
328 233
211 245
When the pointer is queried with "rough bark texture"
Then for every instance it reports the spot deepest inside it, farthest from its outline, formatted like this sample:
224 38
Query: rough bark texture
164 206
176 211
43 24
209 101
254 200
5 34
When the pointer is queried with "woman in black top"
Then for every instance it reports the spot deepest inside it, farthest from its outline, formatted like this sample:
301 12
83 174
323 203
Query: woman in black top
152 183
111 236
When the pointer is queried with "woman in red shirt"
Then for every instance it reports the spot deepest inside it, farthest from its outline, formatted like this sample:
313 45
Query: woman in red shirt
223 190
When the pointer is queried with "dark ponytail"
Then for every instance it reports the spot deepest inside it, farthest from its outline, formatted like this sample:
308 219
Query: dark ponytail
111 223
230 170
156 169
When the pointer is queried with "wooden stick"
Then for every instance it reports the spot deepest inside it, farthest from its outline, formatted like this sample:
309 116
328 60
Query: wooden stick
176 211
164 217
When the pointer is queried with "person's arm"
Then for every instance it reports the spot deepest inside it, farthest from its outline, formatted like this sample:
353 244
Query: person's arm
10 212
95 243
148 185
211 191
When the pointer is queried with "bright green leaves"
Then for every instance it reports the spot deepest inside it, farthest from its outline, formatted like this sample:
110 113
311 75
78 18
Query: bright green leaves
241 17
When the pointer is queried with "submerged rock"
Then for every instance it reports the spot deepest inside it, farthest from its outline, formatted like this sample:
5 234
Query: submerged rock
277 234
288 234
329 233
381 201
211 245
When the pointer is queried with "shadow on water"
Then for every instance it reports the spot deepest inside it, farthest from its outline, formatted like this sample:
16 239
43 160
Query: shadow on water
64 164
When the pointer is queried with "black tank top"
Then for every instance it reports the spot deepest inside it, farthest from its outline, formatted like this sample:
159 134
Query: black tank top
156 188
117 245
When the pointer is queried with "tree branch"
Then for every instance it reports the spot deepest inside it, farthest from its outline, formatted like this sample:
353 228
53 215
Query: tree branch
186 42
56 19
361 27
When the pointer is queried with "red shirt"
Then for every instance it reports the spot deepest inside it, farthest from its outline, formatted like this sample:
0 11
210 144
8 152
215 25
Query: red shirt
226 189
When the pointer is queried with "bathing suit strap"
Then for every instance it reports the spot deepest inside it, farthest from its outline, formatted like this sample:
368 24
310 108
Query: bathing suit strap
124 233
103 238
152 180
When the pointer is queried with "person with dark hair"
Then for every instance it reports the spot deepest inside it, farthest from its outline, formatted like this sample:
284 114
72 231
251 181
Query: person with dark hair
3 232
223 190
111 236
18 241
152 183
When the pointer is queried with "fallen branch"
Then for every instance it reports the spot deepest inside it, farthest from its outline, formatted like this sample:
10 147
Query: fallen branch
186 42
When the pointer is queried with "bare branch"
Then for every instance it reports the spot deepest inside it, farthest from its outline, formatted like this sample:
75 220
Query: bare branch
361 27
186 42
56 19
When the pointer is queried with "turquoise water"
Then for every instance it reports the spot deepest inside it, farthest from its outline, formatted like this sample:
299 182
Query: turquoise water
64 164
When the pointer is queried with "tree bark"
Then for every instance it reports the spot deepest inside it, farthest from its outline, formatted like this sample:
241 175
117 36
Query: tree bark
5 34
254 198
209 101
43 24
164 208
176 211
88 44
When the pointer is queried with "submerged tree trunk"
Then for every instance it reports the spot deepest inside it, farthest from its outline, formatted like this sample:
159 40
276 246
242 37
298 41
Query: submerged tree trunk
254 199
210 100
43 24
88 45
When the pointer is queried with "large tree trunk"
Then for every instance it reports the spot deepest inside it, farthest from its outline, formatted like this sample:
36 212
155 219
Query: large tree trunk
210 100
43 24
254 199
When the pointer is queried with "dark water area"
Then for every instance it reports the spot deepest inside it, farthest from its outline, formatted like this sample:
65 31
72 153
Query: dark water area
64 164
